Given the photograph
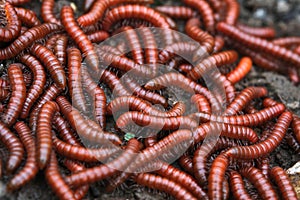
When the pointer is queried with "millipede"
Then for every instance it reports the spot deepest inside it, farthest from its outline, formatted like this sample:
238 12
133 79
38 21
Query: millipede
81 39
283 182
261 183
14 145
106 170
154 122
104 96
29 171
56 181
205 11
43 139
50 94
164 184
52 64
178 12
18 95
206 41
47 12
27 17
98 8
13 27
26 39
75 79
38 84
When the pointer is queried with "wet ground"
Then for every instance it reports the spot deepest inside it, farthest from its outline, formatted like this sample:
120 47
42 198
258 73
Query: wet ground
284 15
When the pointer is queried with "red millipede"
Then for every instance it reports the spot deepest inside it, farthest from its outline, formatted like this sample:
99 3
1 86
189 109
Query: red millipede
98 36
292 142
179 80
184 49
267 102
296 127
185 68
134 11
216 60
114 83
263 164
82 153
27 17
99 7
136 104
259 58
98 96
150 141
254 43
75 167
150 46
164 184
185 180
134 45
75 79
51 41
254 119
44 128
297 50
29 171
262 32
139 12
4 88
179 137
52 64
64 130
108 169
26 39
284 184
186 162
244 98
60 49
260 182
13 27
38 84
241 70
18 2
47 12
125 64
154 122
139 91
205 11
217 176
15 147
56 181
293 75
80 38
192 28
287 41
50 94
223 129
219 43
265 147
83 128
18 95
178 12
238 187
232 12
201 103
203 152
